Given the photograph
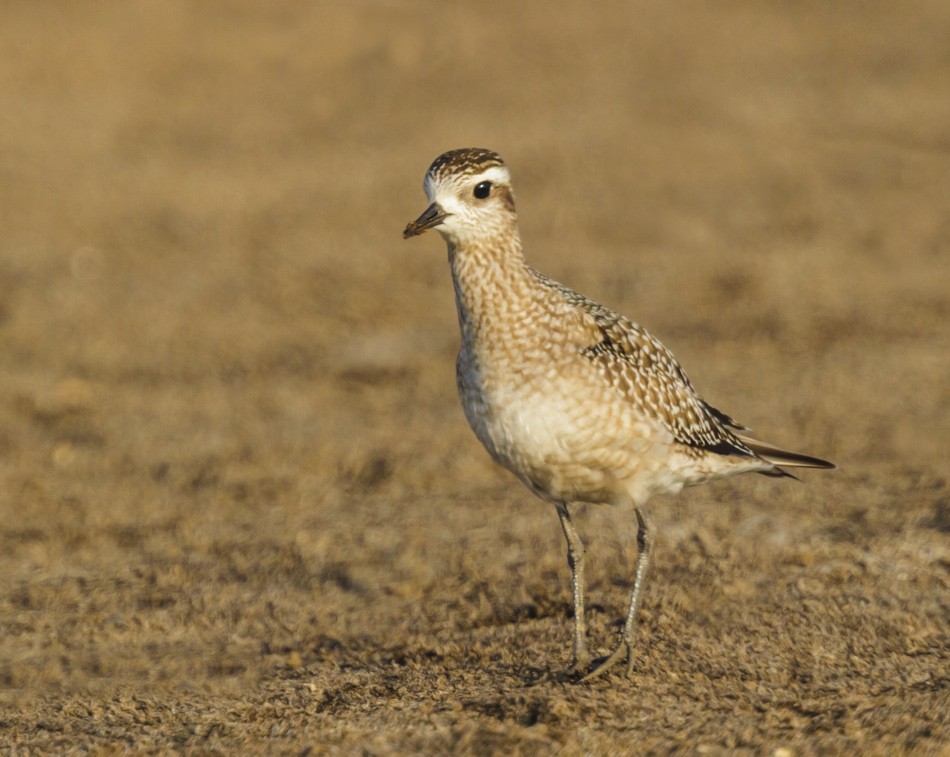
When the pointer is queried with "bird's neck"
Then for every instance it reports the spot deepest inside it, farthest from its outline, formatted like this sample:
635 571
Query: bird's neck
493 284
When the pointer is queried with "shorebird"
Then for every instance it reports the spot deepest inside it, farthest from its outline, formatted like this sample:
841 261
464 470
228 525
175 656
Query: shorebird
577 401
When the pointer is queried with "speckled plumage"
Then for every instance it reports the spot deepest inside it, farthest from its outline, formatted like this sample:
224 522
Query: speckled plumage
580 403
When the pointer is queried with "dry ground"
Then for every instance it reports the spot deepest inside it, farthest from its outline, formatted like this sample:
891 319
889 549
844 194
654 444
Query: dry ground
241 510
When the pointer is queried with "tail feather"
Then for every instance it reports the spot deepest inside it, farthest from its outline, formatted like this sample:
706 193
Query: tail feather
780 457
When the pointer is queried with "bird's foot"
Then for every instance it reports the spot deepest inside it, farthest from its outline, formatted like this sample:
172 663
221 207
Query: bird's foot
573 673
623 650
576 670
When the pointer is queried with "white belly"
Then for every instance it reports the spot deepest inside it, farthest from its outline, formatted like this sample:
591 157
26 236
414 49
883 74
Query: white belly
579 446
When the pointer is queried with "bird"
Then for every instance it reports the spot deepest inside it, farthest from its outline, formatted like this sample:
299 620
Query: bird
580 403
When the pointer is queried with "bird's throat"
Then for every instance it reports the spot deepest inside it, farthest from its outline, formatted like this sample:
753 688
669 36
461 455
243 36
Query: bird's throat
492 286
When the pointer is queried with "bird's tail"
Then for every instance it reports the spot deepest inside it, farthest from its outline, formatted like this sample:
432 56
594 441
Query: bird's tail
781 457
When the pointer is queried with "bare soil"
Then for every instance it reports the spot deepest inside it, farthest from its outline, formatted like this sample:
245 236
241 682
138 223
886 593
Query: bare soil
240 509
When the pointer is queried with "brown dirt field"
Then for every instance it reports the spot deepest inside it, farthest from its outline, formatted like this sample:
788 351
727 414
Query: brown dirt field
241 509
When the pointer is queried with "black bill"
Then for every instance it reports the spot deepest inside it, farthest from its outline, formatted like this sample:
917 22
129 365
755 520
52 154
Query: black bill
432 216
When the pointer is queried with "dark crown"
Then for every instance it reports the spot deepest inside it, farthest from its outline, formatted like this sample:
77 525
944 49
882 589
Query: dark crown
471 160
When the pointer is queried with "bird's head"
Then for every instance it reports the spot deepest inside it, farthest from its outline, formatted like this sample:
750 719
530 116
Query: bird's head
470 196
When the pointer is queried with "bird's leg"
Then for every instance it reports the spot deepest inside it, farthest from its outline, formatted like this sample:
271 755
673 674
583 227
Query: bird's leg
580 657
625 646
644 549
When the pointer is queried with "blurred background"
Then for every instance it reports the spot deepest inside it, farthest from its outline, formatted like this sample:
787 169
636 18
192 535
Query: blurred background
228 422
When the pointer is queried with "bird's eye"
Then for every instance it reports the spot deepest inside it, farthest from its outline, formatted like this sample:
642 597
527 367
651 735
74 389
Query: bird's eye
482 190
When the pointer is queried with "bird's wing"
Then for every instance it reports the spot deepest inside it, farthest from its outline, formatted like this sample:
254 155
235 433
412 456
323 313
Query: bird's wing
648 376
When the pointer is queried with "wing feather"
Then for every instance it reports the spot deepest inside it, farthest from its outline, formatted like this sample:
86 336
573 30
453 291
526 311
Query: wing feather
651 379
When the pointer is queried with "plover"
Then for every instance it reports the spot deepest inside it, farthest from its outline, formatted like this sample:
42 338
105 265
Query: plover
577 401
